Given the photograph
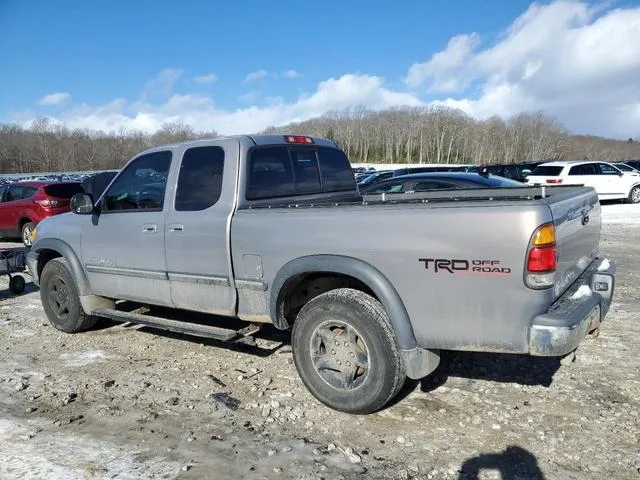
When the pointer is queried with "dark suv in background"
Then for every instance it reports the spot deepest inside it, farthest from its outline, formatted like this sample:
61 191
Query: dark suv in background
633 163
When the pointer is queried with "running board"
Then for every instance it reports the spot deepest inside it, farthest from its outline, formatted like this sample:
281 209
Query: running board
188 328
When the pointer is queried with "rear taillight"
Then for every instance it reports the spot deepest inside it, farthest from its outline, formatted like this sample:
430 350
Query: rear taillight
542 258
47 203
554 180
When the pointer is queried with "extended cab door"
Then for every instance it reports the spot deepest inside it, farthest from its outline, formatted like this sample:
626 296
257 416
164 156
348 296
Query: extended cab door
197 229
123 244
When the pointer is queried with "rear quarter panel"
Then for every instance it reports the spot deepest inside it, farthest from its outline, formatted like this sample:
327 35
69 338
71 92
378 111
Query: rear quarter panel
461 310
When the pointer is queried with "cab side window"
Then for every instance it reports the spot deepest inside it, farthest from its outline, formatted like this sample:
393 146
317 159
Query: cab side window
200 178
141 186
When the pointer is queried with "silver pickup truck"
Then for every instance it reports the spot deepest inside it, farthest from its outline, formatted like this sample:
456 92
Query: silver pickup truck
272 229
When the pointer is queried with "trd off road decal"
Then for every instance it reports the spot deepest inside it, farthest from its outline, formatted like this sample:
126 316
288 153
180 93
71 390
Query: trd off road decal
468 267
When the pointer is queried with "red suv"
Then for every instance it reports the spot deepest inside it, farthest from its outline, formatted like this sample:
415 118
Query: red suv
24 204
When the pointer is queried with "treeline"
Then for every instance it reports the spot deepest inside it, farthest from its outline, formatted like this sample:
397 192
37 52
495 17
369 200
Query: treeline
47 147
444 135
398 135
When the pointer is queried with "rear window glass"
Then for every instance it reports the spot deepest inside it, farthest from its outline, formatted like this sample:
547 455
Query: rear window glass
503 182
63 190
285 171
546 171
336 170
305 168
270 174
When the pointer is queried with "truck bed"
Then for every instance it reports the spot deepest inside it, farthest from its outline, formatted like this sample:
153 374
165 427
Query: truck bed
491 309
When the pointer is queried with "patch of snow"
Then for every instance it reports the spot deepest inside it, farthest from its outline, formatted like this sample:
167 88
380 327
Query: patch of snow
584 262
605 265
583 292
22 333
58 455
80 359
628 214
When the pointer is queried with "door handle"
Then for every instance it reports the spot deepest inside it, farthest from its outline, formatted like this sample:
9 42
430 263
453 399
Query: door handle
149 228
176 227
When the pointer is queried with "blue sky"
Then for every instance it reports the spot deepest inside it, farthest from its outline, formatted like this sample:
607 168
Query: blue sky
93 53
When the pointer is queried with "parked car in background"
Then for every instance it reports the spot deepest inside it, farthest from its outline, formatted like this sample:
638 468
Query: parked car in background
423 182
514 171
633 163
626 169
608 181
429 168
375 177
95 184
24 204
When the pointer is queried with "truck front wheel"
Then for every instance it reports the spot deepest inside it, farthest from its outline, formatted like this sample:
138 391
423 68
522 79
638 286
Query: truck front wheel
345 351
60 298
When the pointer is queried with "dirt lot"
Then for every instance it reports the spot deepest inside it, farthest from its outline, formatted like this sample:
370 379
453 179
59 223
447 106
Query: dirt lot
133 403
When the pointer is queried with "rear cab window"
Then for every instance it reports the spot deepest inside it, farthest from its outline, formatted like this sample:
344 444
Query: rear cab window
281 171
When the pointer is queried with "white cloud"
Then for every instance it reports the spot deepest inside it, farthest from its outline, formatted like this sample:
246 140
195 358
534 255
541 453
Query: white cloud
292 74
208 78
444 66
257 75
201 112
54 98
570 59
161 86
567 58
249 97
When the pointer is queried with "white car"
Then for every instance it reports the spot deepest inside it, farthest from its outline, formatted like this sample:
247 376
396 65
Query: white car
609 182
627 169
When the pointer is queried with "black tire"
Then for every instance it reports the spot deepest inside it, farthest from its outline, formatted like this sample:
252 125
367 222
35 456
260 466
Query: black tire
16 285
25 231
60 298
360 326
634 195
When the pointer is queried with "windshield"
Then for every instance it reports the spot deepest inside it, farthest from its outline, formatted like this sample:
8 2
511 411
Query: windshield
624 167
503 182
375 176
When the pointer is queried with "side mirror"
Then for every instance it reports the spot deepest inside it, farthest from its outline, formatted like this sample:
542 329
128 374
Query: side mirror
82 204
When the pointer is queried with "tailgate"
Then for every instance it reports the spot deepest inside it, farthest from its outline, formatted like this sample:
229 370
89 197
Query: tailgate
577 218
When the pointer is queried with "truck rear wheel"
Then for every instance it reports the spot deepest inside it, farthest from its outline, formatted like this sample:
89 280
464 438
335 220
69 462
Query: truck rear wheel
60 298
346 353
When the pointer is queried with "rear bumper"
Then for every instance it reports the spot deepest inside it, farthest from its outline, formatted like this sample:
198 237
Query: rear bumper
562 328
32 265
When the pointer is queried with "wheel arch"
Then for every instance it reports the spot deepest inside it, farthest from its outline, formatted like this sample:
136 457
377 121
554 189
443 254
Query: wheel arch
24 219
50 248
349 268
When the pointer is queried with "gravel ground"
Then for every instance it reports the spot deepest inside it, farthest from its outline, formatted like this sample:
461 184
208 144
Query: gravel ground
128 402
